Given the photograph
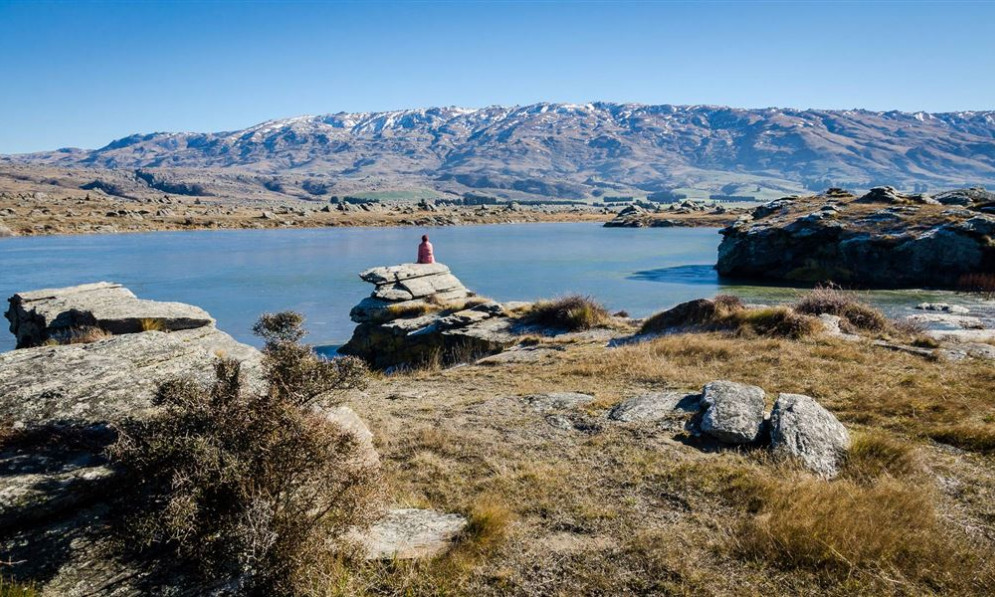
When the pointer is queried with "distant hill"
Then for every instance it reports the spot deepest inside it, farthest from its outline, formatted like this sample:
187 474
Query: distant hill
562 150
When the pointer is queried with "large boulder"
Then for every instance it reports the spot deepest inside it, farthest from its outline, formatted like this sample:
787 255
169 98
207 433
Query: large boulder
802 428
39 315
734 412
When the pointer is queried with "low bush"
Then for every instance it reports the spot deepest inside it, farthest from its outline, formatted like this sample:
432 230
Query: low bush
701 312
833 300
571 313
249 486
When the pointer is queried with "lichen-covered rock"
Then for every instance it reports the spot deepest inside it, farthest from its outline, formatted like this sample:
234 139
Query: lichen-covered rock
802 428
39 315
734 412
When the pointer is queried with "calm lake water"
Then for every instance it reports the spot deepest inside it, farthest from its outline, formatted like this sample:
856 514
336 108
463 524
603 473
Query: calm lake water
236 275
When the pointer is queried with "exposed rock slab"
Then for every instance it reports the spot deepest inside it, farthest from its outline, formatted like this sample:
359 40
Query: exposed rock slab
39 315
557 400
409 533
109 378
655 406
802 428
734 411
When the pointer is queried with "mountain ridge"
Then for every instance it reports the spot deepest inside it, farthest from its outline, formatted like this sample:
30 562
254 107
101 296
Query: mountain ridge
577 150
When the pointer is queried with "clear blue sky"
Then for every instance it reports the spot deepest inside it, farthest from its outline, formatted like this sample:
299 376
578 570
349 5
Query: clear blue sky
82 74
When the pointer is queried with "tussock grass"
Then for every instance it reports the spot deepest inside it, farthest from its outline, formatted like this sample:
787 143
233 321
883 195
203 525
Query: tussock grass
833 300
974 437
886 530
152 324
726 312
572 313
9 588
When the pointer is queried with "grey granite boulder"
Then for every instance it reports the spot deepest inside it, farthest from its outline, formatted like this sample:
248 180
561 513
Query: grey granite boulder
802 428
409 533
734 412
39 315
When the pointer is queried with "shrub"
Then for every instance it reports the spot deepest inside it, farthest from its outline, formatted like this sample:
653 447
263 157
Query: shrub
248 486
833 300
572 313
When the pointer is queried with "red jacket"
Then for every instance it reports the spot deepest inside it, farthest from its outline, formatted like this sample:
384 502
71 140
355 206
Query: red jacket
425 253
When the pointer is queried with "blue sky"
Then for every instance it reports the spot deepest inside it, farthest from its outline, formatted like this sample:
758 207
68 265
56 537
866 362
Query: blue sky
81 74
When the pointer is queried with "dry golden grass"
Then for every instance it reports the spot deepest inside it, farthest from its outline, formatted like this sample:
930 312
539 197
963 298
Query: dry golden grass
626 509
153 324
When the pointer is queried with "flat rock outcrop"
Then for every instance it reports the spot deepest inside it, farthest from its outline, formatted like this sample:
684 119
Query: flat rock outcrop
883 239
420 313
801 427
40 315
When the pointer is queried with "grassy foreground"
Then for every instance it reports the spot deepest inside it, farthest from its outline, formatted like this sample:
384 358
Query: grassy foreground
610 508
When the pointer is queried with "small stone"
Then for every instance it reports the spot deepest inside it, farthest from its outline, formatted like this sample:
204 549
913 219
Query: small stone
655 406
557 400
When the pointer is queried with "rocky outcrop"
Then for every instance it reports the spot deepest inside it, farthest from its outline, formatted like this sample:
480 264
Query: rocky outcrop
910 242
422 313
734 412
802 428
40 315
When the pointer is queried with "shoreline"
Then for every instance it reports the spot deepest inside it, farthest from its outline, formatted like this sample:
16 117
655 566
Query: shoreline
45 215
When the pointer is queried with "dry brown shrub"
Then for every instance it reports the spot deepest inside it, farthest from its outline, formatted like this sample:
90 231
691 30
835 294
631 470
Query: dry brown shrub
248 487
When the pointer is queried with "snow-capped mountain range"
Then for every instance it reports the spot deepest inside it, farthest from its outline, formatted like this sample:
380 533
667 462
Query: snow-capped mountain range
577 151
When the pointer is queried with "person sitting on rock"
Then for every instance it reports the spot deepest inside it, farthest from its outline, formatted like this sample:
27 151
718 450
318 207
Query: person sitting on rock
425 253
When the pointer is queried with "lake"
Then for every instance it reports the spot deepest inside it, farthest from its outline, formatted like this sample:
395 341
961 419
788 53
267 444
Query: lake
236 275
